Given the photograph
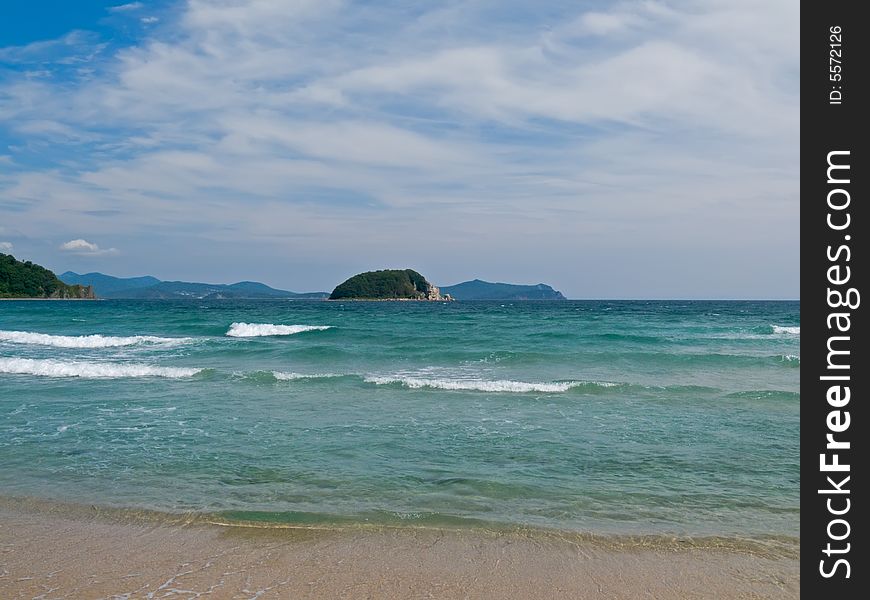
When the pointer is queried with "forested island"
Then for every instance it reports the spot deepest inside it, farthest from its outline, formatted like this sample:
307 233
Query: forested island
389 284
28 280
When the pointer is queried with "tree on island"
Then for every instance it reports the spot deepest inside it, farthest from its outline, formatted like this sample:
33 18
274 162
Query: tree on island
388 284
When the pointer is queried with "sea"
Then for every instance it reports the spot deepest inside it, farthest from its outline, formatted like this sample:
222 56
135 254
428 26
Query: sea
677 418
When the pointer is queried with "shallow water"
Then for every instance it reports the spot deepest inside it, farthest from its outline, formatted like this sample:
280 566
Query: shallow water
610 417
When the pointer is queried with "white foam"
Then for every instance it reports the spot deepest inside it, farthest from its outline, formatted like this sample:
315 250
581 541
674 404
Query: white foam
284 376
59 368
480 385
788 330
266 329
83 341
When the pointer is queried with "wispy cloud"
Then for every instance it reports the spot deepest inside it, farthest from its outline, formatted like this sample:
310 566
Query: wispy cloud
648 134
126 7
6 246
73 47
80 246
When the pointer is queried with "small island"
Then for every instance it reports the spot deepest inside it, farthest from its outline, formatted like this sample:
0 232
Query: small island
389 284
28 280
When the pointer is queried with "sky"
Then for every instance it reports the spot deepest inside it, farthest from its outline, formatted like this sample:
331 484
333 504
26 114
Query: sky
642 149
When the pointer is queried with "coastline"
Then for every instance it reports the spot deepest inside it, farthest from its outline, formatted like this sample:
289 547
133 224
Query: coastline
73 550
389 300
50 299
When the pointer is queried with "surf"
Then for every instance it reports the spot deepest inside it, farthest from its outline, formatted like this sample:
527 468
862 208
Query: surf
270 329
84 341
481 385
89 370
781 329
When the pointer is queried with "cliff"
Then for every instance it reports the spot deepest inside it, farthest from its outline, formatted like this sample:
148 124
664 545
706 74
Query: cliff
389 284
27 280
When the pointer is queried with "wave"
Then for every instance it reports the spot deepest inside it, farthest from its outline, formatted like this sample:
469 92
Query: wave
419 381
765 395
284 376
585 387
84 341
481 385
502 385
58 368
268 329
786 330
630 337
271 377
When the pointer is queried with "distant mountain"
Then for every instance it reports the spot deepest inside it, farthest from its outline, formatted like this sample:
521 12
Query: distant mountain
485 290
106 284
151 288
27 280
388 284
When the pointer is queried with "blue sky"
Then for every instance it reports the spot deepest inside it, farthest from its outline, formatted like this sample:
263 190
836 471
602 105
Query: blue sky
612 149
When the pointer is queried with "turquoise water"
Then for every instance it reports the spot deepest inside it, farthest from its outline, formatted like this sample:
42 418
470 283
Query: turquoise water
608 417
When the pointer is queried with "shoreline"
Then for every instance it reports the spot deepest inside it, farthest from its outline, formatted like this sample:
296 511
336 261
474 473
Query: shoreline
76 550
50 299
388 300
770 545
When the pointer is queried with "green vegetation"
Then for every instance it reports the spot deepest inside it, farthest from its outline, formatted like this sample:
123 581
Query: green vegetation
392 284
27 280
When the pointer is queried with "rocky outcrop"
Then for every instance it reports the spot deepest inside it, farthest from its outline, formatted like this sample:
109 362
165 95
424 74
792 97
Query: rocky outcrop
74 292
435 294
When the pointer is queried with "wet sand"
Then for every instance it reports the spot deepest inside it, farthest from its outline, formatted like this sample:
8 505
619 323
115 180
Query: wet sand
67 551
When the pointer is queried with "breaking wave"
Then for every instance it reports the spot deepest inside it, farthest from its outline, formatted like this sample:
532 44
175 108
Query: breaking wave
479 385
58 368
284 376
84 341
268 329
786 330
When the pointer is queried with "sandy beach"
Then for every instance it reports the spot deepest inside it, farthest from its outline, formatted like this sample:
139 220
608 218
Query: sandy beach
66 551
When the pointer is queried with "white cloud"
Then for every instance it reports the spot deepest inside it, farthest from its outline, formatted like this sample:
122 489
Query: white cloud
126 7
594 23
80 246
350 141
253 20
149 20
5 246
